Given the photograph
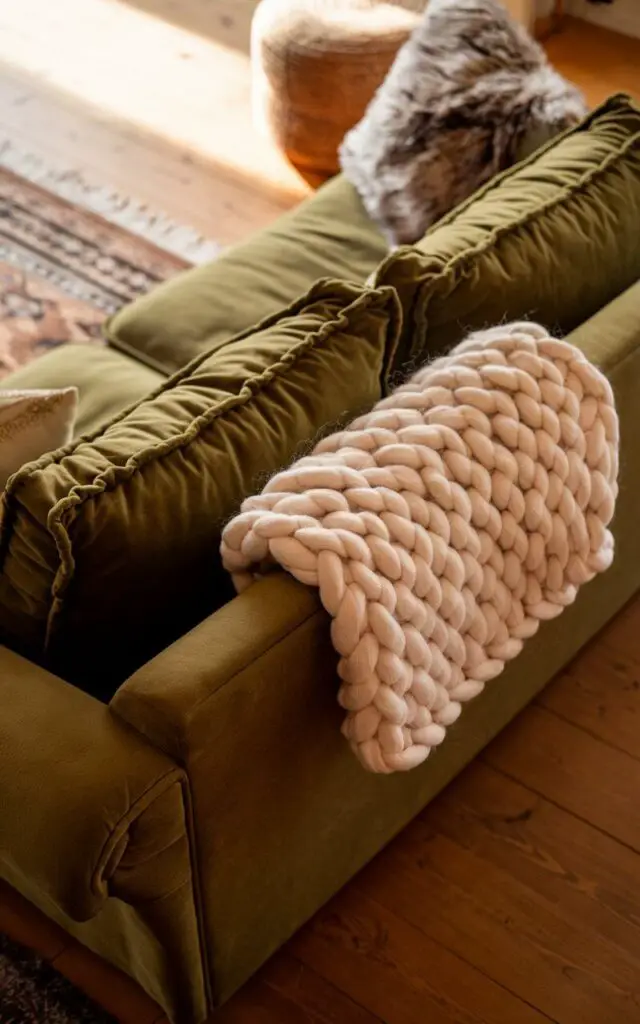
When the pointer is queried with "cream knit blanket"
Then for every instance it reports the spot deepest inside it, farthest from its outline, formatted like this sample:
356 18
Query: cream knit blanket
442 527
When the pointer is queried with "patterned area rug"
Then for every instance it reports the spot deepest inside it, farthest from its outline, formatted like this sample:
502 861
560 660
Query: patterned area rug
32 992
63 270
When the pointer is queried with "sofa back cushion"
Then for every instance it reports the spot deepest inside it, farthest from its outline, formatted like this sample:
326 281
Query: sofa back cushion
109 548
555 239
328 235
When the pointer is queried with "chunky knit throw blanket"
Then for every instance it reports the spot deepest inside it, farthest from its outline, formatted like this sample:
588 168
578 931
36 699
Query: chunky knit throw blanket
442 527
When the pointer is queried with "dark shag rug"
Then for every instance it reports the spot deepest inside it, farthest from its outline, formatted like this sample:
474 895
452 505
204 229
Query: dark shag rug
32 992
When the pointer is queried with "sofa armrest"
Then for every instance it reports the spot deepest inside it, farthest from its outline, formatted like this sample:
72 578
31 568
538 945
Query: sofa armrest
246 701
84 800
166 696
283 812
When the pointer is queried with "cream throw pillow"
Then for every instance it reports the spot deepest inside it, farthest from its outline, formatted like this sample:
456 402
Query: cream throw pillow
34 422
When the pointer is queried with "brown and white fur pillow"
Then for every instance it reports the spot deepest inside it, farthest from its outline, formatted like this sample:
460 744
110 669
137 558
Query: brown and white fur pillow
469 94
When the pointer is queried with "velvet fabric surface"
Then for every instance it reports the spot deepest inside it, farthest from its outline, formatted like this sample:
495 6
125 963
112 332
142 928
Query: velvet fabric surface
553 239
118 534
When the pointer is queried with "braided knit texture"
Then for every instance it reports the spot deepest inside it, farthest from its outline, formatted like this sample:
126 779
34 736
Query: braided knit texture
442 527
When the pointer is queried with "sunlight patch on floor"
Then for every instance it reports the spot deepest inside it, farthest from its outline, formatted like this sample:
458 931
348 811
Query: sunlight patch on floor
146 72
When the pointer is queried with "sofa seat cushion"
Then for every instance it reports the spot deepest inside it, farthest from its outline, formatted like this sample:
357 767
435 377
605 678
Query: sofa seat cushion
108 381
555 239
328 235
109 548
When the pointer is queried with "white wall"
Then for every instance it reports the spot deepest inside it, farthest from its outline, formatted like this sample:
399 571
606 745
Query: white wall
621 15
524 10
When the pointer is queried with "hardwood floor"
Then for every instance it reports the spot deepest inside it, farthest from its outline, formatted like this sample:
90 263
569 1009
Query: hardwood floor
598 61
514 898
158 109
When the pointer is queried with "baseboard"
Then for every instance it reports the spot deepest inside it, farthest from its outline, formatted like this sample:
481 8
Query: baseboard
620 16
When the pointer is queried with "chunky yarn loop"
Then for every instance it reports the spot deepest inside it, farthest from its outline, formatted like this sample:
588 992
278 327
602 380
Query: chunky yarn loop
442 527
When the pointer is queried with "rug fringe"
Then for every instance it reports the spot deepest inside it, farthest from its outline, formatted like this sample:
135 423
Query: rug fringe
128 213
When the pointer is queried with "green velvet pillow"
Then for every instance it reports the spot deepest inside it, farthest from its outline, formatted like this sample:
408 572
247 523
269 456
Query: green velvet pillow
328 235
109 548
553 239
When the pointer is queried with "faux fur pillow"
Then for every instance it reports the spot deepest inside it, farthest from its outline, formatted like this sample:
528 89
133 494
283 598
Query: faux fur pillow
468 95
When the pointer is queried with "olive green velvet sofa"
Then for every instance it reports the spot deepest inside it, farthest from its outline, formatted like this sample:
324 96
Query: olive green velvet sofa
145 800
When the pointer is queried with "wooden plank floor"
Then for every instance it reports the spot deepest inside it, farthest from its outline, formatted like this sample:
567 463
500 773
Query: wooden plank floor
151 98
515 897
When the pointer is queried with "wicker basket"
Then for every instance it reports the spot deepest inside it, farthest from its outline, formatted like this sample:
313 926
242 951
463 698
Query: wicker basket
315 66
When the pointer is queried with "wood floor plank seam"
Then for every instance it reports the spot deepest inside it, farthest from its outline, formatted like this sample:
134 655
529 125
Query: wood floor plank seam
461 898
561 807
549 906
591 733
455 953
336 988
